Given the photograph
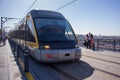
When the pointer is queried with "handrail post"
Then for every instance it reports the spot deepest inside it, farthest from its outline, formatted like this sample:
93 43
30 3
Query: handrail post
113 45
26 61
97 44
17 50
119 44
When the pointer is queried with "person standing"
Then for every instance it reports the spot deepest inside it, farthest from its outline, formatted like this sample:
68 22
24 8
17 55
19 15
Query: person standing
86 41
92 43
89 39
4 38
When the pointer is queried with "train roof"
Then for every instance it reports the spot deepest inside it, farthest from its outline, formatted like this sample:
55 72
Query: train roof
46 14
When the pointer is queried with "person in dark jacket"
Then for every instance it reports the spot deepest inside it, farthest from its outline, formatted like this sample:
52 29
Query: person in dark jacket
4 38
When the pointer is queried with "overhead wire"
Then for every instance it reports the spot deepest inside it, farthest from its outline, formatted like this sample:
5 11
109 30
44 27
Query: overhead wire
55 10
66 5
30 7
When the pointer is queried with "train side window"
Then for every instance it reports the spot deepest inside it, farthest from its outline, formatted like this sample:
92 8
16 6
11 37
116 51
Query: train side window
20 33
30 31
69 33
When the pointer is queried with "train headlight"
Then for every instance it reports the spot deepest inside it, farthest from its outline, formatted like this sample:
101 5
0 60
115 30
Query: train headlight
44 47
47 47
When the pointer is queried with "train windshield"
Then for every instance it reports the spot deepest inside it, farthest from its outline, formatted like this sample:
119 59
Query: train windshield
55 32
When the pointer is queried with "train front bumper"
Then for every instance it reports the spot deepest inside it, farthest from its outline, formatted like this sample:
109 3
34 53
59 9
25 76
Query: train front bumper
60 55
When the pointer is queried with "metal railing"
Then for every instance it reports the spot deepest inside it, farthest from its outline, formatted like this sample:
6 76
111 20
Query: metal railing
107 44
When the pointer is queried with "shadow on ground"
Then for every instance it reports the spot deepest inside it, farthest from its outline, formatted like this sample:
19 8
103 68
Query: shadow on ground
80 70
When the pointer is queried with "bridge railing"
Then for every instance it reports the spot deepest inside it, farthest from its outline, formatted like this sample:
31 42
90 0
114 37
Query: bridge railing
107 44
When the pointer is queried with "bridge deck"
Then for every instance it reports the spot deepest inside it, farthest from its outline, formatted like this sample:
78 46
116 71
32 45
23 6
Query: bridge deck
94 65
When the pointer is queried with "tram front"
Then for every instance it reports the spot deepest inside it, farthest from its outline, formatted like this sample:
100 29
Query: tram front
57 41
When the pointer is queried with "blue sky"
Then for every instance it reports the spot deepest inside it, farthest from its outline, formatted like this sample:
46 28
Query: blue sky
95 16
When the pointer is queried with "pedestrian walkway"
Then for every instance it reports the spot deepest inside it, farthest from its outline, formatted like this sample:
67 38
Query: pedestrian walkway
8 67
104 54
106 64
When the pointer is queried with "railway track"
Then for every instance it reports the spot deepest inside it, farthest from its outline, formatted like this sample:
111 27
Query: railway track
109 56
102 59
112 74
68 76
61 72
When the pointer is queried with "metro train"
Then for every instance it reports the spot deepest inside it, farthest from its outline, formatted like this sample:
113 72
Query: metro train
48 37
